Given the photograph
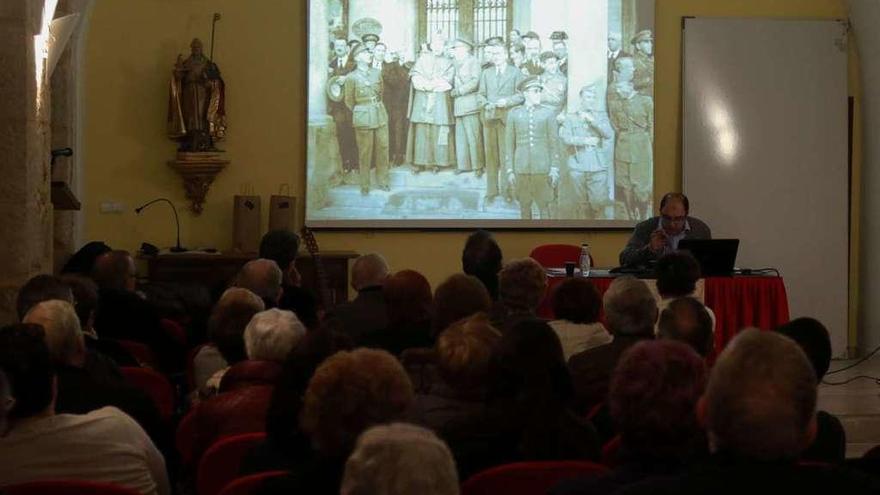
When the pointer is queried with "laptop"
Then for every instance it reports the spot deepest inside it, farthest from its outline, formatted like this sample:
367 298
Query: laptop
716 256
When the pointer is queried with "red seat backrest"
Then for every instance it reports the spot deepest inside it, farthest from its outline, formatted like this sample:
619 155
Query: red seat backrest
66 487
185 438
555 255
230 413
527 478
140 351
610 451
247 485
220 464
156 386
174 330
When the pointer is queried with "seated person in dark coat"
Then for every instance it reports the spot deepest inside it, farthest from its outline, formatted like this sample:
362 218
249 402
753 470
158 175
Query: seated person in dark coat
760 415
686 320
282 247
659 235
528 415
462 352
522 284
367 312
630 313
123 314
481 257
264 278
812 337
653 402
408 304
458 297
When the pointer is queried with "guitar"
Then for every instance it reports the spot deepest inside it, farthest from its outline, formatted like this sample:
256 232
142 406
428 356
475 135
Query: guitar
320 273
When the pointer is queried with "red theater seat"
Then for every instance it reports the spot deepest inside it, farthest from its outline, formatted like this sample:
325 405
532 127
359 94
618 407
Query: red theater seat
66 487
527 478
248 485
555 255
221 463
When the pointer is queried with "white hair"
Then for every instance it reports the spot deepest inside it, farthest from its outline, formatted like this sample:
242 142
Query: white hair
630 307
400 459
369 270
64 335
272 334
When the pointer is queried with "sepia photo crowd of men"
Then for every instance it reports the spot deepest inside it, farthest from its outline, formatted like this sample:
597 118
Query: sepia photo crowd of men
501 114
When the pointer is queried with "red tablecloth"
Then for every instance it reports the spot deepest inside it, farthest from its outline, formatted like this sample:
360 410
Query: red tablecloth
738 302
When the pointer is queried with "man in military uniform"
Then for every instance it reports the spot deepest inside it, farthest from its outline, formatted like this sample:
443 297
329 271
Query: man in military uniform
532 151
632 115
497 94
554 83
370 40
363 95
643 80
466 109
341 65
583 193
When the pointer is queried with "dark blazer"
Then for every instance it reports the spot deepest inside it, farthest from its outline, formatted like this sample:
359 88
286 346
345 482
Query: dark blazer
591 371
361 317
492 88
637 251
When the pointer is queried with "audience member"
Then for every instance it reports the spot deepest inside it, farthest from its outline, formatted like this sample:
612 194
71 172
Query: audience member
686 320
82 262
677 275
652 397
272 334
630 313
104 445
226 325
459 297
349 392
813 339
262 277
38 289
528 415
123 314
482 258
759 412
462 353
81 389
85 296
400 459
366 313
576 305
408 304
521 286
282 247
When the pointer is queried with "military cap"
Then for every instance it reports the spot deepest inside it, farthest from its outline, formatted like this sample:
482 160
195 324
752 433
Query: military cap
643 36
463 41
370 37
531 34
354 42
558 35
358 49
548 54
529 82
494 41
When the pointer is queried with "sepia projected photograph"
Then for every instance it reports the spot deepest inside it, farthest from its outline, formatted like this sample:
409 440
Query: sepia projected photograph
496 113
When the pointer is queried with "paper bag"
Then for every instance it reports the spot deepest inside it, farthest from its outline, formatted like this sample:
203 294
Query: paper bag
282 210
246 232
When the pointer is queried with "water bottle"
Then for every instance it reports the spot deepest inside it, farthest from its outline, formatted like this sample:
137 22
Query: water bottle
585 260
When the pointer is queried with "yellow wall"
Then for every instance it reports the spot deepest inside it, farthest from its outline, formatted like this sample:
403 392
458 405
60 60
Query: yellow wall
261 50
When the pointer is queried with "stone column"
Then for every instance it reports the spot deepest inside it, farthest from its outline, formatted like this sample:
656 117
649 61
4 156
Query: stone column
588 48
323 160
25 206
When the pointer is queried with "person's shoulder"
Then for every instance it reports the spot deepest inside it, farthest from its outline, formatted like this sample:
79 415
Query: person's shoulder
651 223
698 225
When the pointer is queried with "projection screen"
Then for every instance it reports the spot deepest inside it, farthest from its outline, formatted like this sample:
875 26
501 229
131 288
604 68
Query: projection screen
480 113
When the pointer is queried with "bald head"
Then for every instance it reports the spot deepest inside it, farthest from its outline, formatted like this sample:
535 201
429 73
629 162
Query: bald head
263 278
63 333
369 270
115 270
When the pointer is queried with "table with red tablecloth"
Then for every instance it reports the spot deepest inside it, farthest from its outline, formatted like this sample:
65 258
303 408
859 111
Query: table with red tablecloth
738 302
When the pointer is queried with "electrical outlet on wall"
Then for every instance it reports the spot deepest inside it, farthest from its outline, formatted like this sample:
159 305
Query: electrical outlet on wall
112 207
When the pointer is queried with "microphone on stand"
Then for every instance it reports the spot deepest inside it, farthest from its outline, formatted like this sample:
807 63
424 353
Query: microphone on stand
139 209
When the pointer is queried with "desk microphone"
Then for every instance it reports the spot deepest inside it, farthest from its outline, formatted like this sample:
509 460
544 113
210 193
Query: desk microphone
177 248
